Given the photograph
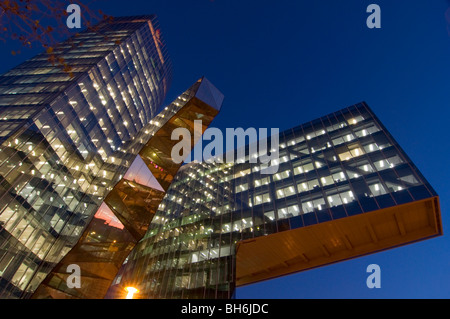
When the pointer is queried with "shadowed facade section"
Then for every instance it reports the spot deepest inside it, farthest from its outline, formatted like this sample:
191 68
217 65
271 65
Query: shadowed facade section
128 209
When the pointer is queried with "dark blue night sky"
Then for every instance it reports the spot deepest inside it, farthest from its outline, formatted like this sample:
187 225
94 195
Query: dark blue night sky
283 63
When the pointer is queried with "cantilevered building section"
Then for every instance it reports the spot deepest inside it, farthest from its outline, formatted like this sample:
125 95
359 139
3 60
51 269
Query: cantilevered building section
344 189
67 139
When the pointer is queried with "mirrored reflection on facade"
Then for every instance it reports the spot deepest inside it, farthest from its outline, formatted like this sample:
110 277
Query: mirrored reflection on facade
66 140
341 165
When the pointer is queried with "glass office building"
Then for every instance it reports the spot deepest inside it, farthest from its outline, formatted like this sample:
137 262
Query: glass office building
66 138
344 188
125 215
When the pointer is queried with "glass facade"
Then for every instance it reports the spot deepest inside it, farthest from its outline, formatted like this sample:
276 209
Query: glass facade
123 218
342 165
67 139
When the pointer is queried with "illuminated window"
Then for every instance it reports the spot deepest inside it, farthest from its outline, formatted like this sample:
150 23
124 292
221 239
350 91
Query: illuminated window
350 152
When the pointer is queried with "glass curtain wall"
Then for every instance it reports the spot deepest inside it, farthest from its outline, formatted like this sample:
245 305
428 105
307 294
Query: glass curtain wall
66 138
343 164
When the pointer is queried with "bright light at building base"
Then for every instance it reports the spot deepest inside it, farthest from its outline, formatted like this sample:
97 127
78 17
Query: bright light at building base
131 291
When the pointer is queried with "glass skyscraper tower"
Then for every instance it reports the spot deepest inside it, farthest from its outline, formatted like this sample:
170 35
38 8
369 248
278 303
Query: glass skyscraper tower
344 188
67 139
